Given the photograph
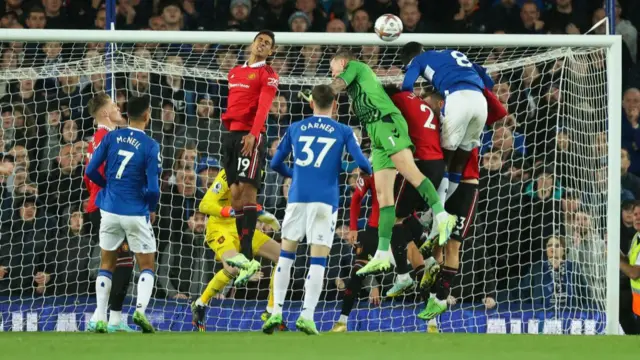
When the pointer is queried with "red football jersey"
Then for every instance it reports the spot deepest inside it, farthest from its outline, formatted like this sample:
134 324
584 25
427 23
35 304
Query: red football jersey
472 169
496 111
91 186
362 186
252 89
424 127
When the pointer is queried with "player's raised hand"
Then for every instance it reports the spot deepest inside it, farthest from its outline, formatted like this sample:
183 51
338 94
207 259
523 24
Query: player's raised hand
248 141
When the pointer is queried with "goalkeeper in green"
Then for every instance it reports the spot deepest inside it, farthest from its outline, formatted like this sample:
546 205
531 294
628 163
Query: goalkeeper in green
391 149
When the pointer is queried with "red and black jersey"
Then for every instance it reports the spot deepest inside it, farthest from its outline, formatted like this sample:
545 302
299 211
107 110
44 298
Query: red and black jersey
362 186
472 169
91 186
252 89
496 111
424 126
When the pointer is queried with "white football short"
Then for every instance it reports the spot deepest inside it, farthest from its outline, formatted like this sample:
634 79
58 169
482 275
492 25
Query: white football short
137 229
465 113
315 220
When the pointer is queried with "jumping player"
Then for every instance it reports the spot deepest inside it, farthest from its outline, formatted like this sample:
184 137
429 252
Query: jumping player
252 88
107 116
367 241
462 204
127 202
317 143
391 150
222 237
462 83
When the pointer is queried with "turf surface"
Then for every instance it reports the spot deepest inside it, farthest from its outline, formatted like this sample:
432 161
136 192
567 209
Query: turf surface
285 346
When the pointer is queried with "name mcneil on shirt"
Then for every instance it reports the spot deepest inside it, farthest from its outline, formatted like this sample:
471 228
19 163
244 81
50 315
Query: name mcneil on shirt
129 140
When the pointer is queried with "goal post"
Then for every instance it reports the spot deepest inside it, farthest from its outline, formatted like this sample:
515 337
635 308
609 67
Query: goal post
589 93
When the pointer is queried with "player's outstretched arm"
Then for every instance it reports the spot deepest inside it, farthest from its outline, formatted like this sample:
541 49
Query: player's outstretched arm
210 204
97 159
356 203
337 85
411 76
354 149
153 170
284 148
486 79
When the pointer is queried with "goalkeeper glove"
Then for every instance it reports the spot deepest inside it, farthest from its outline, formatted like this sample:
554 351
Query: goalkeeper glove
306 95
268 218
227 211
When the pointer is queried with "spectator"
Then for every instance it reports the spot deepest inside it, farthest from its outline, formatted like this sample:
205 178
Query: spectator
183 269
336 25
208 168
316 16
171 13
530 22
167 133
411 19
506 16
63 186
554 281
276 14
564 18
380 7
22 249
339 265
177 206
630 181
272 181
240 15
207 130
630 127
345 12
56 15
299 22
470 18
361 21
628 31
67 259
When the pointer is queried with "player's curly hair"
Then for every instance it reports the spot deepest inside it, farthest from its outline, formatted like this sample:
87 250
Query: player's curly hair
409 51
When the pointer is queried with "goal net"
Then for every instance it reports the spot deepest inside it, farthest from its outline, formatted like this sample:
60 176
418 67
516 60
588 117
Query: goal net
533 262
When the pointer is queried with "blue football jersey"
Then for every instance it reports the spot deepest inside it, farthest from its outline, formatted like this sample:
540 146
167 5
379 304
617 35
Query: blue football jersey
132 168
446 70
317 143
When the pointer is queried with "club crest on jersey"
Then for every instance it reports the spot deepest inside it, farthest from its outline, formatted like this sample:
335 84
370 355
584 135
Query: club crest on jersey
251 76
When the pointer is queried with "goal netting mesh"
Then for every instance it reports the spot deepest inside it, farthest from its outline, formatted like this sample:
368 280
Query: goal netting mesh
534 260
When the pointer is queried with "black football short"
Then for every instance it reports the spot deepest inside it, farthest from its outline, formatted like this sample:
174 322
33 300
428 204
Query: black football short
240 168
408 199
463 204
367 243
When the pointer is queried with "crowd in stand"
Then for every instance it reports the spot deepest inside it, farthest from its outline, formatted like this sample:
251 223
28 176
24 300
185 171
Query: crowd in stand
539 233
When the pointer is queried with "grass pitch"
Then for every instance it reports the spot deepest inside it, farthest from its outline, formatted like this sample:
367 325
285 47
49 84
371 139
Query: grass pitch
285 346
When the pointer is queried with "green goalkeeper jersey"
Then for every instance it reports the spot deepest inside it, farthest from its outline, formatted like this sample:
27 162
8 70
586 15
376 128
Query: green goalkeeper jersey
369 101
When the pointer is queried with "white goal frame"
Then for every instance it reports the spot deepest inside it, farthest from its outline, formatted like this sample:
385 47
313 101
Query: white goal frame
612 44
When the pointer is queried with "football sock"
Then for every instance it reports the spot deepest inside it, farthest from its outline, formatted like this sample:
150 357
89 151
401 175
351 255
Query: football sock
239 221
145 288
454 181
385 227
444 284
443 187
115 317
399 238
103 288
119 287
353 289
248 228
313 286
430 195
270 302
281 279
220 280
